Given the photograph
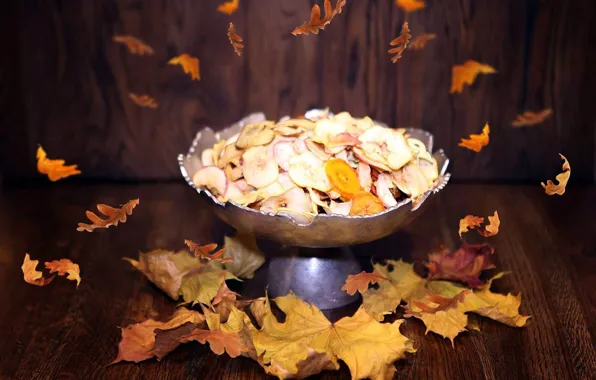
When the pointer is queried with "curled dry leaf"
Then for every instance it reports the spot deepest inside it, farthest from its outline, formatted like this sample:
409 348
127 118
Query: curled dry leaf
368 347
235 39
419 42
493 226
342 177
400 43
477 141
246 255
469 221
30 273
529 118
472 222
467 73
465 264
410 5
361 281
207 252
317 23
65 267
134 45
143 100
228 7
189 64
550 188
113 216
54 169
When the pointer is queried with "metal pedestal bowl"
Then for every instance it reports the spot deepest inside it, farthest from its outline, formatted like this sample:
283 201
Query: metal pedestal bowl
313 260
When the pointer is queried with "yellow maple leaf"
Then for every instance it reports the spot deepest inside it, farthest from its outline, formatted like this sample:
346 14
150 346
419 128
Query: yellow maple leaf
467 73
410 5
54 169
477 141
245 254
550 188
189 64
367 347
228 7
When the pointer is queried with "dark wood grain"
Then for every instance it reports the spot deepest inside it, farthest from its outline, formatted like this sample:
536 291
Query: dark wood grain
58 331
67 83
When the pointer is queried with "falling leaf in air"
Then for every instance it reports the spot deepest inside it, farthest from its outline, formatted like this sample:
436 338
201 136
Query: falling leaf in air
235 39
550 188
142 341
493 226
113 216
467 73
419 42
317 23
30 273
368 347
464 265
143 100
361 281
189 64
228 7
410 5
65 267
54 169
529 118
400 42
245 254
477 141
134 45
469 221
207 252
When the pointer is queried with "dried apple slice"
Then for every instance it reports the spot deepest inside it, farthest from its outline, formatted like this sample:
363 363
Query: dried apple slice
364 176
246 198
343 155
342 177
229 154
283 151
340 208
429 169
294 199
297 123
285 181
233 139
306 170
217 149
233 173
410 180
207 157
364 203
211 178
342 139
232 192
316 200
298 217
285 130
259 167
383 192
371 154
393 145
300 144
273 190
317 149
255 135
325 129
243 186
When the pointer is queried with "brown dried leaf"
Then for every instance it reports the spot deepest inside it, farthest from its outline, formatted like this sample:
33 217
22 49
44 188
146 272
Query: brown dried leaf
400 42
143 100
63 267
114 216
550 188
469 221
134 45
443 303
410 5
246 255
465 264
235 39
207 252
189 64
317 23
420 41
54 169
467 73
493 226
228 7
477 141
529 118
30 273
361 281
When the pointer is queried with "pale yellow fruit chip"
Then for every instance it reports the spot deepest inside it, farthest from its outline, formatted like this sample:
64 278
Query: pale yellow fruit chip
259 167
255 135
306 170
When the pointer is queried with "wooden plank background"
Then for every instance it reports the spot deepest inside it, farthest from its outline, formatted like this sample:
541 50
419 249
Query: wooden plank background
65 84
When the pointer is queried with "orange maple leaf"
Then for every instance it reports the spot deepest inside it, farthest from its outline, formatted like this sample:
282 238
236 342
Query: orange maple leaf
228 7
317 23
420 41
467 73
143 100
63 267
189 63
134 45
361 281
400 42
30 273
562 179
205 251
410 5
529 118
443 303
472 222
54 169
235 39
469 221
477 141
114 216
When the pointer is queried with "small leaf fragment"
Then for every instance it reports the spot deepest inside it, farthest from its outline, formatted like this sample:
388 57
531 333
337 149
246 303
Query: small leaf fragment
65 267
469 221
550 188
467 73
228 7
360 282
317 23
477 141
419 42
30 273
54 169
143 100
235 39
410 5
189 64
529 118
207 252
113 216
401 43
134 45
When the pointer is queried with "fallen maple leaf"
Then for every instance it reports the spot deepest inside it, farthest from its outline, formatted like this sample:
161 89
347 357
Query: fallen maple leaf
245 255
143 100
469 221
361 281
207 252
477 141
30 273
139 340
550 188
189 64
114 216
368 347
420 41
134 45
235 39
317 23
401 43
54 169
224 300
467 73
410 5
63 267
228 7
529 118
465 264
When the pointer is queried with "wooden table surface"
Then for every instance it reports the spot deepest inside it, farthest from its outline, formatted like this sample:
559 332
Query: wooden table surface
57 331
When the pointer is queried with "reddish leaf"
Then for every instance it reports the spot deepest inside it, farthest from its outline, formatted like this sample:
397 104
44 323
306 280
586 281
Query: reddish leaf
463 265
400 42
317 23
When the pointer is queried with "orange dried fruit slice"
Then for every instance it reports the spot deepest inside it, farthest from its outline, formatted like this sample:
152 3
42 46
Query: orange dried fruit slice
364 203
343 178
